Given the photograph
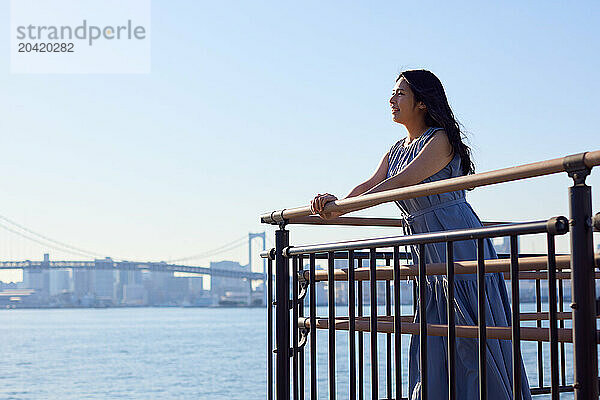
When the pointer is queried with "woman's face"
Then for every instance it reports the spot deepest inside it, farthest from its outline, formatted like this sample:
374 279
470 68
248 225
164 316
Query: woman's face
403 102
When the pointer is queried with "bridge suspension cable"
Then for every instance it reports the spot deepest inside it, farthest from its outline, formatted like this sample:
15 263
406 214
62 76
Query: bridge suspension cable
54 244
46 244
48 239
239 242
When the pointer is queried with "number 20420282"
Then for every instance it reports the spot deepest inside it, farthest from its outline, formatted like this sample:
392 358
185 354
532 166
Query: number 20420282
46 47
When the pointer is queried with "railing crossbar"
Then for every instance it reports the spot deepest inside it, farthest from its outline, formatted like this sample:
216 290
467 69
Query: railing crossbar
526 333
556 225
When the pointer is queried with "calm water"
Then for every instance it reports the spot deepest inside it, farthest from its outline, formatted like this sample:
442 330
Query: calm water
159 353
133 353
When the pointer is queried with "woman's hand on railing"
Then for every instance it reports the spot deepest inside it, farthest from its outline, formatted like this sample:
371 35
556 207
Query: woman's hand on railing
318 203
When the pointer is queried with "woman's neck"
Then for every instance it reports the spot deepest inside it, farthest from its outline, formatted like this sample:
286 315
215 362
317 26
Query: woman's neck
415 130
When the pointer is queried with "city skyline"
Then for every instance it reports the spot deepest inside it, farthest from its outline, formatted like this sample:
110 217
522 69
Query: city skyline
28 237
105 283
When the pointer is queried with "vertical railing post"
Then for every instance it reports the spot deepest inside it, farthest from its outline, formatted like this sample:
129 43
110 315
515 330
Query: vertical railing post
481 322
397 324
515 321
388 336
331 323
361 361
270 328
352 324
423 323
451 322
540 348
294 354
282 315
552 318
585 357
312 313
301 351
373 324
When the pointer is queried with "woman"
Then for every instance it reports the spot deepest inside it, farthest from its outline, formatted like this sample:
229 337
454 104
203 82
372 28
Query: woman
434 150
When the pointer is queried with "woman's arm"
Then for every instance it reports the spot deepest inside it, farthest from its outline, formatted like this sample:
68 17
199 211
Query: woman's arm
434 156
380 174
378 177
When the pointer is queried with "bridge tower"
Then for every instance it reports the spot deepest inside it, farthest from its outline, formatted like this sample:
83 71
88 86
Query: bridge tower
262 236
251 236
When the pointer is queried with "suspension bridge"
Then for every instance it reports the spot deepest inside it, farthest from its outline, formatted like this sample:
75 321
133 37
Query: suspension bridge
108 264
91 260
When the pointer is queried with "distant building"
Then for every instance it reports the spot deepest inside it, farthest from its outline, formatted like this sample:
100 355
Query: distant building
103 285
134 294
123 278
165 289
197 295
81 282
102 281
37 279
230 290
196 285
178 288
154 282
59 281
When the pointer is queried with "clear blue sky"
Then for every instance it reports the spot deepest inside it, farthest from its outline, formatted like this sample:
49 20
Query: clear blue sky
254 106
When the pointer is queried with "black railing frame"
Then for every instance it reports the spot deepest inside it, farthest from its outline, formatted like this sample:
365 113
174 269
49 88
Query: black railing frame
581 225
282 314
583 291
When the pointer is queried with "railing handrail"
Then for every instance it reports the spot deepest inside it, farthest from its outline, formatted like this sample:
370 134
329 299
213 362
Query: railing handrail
539 168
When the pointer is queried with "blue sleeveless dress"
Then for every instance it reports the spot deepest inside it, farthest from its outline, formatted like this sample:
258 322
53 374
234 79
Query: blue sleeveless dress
448 211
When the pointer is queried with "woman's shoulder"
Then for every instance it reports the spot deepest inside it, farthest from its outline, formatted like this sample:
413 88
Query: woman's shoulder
436 131
439 134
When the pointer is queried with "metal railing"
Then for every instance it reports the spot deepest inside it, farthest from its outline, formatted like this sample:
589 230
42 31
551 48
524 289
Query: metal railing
579 266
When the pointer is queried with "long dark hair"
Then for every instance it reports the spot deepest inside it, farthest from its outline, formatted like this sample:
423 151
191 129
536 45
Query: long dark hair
428 89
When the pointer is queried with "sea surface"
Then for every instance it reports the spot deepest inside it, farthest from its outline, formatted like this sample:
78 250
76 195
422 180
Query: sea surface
167 353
